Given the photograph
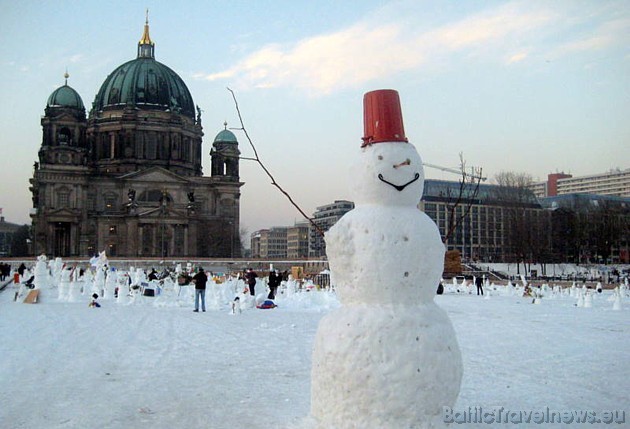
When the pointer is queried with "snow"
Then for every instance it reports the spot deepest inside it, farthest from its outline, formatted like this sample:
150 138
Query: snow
152 365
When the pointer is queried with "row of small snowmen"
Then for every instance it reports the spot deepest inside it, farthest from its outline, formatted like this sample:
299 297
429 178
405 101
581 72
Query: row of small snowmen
584 296
127 287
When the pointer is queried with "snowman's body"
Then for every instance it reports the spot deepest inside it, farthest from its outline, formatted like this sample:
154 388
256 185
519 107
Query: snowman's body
388 358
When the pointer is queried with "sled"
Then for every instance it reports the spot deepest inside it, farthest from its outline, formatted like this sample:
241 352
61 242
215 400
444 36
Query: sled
266 305
32 296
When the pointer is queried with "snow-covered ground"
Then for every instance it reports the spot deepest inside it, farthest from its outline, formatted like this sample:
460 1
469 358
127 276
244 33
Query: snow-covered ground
153 363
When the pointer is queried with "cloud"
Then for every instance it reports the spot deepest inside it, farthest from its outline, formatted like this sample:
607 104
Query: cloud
607 34
369 50
516 58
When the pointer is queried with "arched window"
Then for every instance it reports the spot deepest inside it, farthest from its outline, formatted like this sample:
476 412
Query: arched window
150 196
64 137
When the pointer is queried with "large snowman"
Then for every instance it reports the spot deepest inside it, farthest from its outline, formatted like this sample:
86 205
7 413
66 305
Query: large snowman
388 357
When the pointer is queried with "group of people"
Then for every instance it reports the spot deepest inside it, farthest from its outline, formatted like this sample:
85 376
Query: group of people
479 281
274 280
5 271
200 279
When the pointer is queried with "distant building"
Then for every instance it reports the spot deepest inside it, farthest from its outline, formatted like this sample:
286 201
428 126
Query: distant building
614 183
484 233
588 228
254 243
297 241
325 217
301 240
270 243
127 178
7 229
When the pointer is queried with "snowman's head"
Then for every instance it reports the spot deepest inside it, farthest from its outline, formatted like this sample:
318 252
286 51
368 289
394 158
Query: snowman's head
388 174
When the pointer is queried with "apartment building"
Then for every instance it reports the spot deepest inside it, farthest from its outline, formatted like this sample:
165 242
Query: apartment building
483 233
613 183
297 241
325 217
302 240
270 243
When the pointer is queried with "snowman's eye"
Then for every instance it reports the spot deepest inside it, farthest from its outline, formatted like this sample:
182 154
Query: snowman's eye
380 157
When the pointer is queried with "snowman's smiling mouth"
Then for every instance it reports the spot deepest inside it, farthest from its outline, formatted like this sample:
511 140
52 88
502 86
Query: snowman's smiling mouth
399 187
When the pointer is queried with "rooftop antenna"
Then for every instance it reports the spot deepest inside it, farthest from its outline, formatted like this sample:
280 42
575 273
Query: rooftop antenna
475 172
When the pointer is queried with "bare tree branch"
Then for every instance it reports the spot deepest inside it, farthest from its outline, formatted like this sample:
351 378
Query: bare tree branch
467 193
257 159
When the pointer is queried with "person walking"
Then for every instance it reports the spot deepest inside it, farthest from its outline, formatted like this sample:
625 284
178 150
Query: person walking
479 283
250 278
274 281
200 279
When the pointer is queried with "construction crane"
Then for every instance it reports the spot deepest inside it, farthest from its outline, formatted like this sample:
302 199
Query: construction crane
475 172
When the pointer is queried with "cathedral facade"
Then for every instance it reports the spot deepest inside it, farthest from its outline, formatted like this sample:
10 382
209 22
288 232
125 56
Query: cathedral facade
127 178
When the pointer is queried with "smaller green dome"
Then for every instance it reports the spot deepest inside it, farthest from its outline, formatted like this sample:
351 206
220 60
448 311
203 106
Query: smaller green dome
225 136
65 96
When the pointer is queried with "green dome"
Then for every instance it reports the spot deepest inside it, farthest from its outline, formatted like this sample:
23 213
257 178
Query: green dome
225 136
146 84
64 96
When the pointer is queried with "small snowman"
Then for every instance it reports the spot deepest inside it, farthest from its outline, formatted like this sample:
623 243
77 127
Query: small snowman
388 357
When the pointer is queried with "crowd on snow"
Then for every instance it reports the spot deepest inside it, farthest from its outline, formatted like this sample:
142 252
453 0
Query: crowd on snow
249 287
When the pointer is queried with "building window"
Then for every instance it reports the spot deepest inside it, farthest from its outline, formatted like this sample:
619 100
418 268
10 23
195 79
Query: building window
63 199
151 146
109 201
178 240
151 196
64 137
147 240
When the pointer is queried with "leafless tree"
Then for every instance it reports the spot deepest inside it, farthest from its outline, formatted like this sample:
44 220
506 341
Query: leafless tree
528 230
607 224
257 159
460 202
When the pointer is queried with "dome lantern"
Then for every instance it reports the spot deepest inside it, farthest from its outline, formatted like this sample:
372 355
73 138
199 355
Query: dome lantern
146 47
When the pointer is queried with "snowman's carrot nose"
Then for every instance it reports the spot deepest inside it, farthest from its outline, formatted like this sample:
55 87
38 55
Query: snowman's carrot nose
405 162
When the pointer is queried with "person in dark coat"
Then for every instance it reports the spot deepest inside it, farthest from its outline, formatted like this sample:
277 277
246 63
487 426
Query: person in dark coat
200 279
153 274
250 278
274 281
479 283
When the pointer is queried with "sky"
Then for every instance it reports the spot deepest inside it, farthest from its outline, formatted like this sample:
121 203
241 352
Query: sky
525 86
155 364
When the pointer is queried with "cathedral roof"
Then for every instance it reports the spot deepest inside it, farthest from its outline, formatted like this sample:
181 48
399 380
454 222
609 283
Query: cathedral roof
146 84
65 96
225 136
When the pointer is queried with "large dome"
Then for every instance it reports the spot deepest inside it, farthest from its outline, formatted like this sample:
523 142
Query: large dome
65 96
146 84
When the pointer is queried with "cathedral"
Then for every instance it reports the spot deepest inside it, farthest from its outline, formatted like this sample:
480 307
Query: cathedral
127 178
